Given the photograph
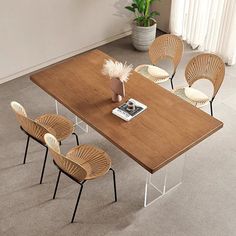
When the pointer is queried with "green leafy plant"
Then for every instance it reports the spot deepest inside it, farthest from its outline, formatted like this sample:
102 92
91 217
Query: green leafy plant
141 10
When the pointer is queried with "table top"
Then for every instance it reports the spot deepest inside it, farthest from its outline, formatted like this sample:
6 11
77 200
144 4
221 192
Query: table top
168 128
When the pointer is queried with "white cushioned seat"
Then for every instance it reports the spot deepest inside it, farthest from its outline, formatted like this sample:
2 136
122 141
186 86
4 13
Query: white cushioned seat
192 96
153 73
195 95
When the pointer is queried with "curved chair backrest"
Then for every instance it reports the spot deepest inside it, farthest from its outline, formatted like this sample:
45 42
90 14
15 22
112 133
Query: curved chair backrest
206 66
167 46
29 126
18 108
65 164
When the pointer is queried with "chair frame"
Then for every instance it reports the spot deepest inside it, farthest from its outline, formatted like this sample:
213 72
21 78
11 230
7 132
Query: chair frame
155 58
43 144
81 183
215 80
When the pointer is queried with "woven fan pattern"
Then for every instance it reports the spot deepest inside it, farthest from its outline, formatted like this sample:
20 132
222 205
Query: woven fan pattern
57 125
95 161
82 162
61 126
206 66
166 46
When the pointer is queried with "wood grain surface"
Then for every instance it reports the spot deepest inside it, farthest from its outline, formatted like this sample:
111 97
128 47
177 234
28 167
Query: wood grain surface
168 128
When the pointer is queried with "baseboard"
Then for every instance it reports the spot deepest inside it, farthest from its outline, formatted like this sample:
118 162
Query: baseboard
163 32
62 57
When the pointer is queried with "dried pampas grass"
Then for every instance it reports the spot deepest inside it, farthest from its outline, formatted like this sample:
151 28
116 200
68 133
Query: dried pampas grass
117 70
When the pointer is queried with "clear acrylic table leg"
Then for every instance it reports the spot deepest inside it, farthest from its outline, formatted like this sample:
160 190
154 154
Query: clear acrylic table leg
163 181
56 103
82 125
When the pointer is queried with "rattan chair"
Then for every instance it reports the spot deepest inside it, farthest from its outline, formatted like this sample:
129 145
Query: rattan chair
57 125
204 66
81 163
164 47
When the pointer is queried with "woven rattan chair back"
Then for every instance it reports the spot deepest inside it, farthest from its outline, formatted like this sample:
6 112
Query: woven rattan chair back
68 166
206 66
30 126
166 46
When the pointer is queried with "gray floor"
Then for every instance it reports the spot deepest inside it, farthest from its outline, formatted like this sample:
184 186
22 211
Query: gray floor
205 203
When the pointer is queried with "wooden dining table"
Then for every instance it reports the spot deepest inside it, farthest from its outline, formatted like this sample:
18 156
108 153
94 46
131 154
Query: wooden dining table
165 130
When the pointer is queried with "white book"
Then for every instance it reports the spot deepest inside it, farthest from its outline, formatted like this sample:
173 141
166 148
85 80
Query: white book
126 114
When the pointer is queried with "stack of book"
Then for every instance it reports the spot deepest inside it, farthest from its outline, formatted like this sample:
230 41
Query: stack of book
126 113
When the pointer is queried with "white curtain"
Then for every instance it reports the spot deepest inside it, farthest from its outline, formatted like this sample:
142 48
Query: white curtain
209 25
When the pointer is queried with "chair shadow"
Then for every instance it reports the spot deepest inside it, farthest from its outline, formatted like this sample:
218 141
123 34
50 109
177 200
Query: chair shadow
30 207
10 167
118 217
21 189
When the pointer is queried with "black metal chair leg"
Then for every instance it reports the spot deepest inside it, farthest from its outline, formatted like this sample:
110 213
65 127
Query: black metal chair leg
58 178
211 108
26 149
171 83
114 182
77 202
76 137
44 163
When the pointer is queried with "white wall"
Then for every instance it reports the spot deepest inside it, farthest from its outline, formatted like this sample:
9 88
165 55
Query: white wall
36 33
163 7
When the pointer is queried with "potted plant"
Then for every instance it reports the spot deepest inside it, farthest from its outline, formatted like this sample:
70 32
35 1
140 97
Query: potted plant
119 74
144 24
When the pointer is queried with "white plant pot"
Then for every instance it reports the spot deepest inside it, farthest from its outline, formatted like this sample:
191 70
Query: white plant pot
142 37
